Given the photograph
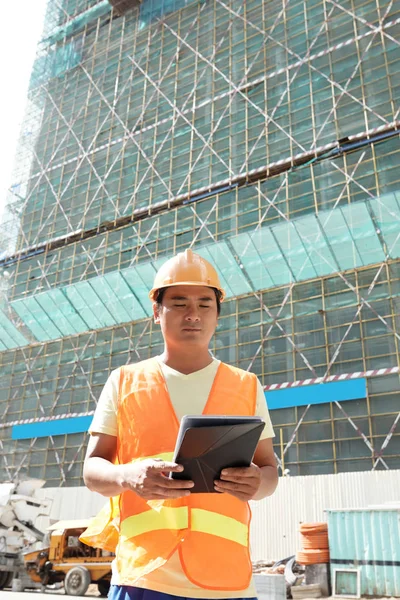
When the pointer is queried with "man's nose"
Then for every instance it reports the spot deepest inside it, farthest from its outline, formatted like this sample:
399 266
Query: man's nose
192 314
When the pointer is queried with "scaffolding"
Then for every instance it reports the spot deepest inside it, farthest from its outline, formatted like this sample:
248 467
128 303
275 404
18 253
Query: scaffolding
263 135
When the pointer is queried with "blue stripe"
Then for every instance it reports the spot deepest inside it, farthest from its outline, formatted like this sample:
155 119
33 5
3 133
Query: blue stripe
319 393
46 428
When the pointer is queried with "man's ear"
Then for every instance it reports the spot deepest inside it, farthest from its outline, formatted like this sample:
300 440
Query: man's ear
156 313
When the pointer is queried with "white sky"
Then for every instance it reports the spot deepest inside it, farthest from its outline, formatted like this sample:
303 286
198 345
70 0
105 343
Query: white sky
21 26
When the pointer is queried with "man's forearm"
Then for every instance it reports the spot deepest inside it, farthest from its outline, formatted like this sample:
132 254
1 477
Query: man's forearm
102 476
269 482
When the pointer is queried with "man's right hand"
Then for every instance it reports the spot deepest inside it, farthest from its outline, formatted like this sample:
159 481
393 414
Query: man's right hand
148 479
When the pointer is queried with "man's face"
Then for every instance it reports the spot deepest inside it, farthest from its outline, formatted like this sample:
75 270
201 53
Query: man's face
188 315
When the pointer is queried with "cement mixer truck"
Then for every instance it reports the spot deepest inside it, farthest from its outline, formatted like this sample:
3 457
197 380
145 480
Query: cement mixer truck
19 511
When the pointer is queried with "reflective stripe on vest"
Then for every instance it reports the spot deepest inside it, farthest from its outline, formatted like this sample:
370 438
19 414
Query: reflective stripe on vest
165 456
152 520
213 523
202 521
167 517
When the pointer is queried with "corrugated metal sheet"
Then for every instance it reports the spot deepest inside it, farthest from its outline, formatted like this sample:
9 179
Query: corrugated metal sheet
69 503
276 520
368 540
297 500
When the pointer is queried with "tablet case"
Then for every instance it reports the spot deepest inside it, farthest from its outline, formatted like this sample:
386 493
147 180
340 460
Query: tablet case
205 450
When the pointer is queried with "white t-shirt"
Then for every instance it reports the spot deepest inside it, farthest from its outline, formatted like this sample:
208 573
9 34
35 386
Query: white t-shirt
189 394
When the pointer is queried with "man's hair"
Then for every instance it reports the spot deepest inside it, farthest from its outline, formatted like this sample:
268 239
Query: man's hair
161 292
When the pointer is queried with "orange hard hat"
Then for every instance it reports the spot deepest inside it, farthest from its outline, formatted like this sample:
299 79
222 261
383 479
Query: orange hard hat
186 268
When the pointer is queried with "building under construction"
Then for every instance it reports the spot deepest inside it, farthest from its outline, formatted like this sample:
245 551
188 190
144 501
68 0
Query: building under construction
263 135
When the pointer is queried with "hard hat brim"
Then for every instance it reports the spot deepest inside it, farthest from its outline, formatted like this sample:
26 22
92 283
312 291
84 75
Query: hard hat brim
153 292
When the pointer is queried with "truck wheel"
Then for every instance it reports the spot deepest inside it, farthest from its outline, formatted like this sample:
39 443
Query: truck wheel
77 581
104 587
6 578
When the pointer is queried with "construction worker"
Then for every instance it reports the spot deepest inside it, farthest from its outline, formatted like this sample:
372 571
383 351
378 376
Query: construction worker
172 542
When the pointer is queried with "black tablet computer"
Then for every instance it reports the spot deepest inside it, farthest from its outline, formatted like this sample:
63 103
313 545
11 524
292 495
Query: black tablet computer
207 444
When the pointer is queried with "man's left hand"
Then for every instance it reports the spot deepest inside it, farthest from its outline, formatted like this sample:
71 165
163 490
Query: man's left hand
242 482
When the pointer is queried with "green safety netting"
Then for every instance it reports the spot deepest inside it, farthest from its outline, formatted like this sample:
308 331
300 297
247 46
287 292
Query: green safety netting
348 237
148 12
10 337
79 22
56 63
64 58
153 9
94 304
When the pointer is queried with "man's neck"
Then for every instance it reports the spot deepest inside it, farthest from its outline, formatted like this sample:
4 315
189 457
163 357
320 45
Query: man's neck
187 362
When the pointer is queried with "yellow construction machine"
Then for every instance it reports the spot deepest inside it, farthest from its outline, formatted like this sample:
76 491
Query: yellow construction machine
66 559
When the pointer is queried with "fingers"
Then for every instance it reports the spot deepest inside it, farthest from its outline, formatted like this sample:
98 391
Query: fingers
159 493
163 488
174 484
225 486
162 465
148 479
239 473
240 495
240 491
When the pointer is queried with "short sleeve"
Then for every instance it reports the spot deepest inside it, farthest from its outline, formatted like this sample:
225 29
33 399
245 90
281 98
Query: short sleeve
263 412
105 416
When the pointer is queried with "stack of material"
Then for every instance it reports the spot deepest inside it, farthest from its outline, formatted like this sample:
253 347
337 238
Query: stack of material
270 587
305 591
315 544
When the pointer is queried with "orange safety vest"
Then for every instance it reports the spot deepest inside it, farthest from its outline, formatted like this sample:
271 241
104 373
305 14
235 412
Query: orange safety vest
211 531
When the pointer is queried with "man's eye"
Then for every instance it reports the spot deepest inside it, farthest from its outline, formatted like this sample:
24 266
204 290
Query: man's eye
179 304
204 305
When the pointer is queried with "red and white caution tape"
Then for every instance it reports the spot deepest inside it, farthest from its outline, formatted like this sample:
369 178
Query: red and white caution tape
273 386
46 419
343 377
